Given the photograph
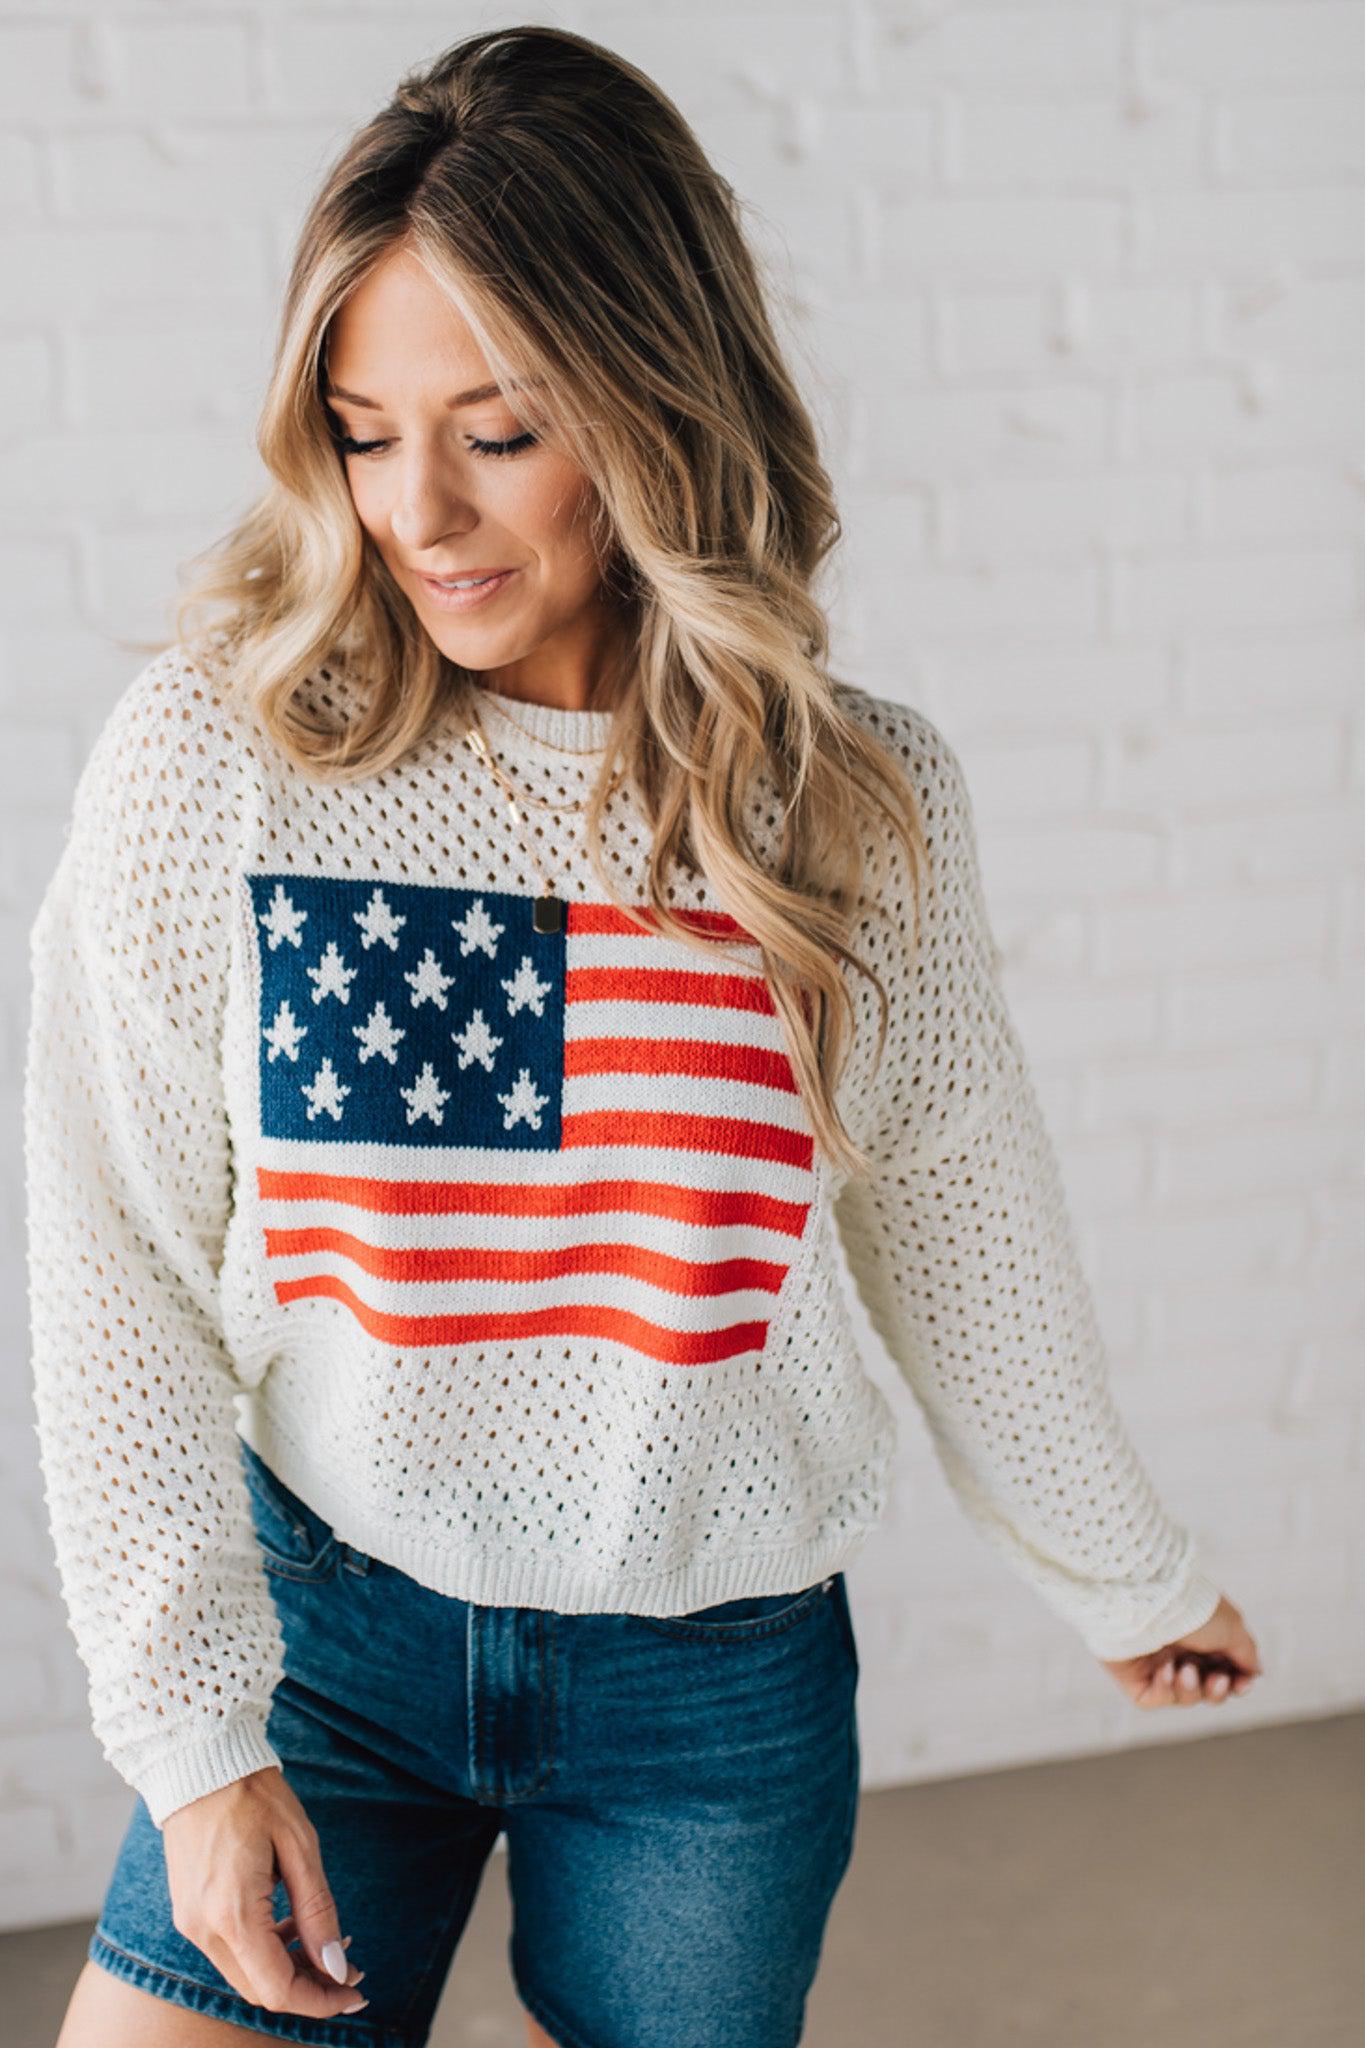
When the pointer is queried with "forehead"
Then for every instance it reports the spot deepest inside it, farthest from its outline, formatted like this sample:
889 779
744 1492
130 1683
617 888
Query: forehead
398 328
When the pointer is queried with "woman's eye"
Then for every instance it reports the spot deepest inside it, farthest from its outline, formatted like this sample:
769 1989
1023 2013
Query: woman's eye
349 446
512 447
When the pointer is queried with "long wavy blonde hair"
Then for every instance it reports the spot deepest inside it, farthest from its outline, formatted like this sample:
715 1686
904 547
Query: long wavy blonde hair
563 203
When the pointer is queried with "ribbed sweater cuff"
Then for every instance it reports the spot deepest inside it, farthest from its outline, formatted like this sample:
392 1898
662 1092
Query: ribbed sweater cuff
1193 1605
194 1768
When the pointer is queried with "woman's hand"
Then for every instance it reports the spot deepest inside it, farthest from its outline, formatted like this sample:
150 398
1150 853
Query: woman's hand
1210 1662
224 1853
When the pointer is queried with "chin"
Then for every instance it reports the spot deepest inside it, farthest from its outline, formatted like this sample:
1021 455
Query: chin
478 650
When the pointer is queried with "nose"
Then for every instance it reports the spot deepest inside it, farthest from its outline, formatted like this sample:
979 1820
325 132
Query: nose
427 509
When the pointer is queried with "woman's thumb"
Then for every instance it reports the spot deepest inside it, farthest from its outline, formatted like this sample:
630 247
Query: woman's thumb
312 1905
1225 1631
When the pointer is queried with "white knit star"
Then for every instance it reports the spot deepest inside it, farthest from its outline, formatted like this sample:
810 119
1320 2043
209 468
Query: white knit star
523 1103
378 920
526 990
283 920
476 928
427 982
286 1034
378 1034
477 1042
326 1092
331 976
426 1095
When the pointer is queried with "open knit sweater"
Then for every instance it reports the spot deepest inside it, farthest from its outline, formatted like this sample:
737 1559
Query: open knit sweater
510 1251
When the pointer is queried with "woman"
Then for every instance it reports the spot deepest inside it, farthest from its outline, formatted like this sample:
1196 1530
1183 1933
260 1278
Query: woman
484 969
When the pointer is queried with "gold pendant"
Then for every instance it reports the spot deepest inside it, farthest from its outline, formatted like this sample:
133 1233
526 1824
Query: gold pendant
547 914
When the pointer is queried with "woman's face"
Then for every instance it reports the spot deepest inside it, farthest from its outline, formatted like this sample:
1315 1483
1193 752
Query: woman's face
448 483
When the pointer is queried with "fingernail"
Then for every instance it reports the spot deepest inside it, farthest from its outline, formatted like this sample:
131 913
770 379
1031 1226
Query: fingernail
334 1960
357 2007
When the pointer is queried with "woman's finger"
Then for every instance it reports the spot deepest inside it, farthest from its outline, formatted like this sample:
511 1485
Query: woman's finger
1187 1681
1213 1682
1157 1691
289 1933
1183 1680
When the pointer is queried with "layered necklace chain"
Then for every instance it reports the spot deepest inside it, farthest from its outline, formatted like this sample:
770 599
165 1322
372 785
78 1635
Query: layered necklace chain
547 910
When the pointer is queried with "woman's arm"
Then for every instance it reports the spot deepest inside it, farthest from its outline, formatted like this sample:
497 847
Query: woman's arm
963 1252
128 1195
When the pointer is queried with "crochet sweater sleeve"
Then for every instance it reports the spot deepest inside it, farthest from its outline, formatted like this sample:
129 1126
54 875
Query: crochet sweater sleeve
963 1252
128 1182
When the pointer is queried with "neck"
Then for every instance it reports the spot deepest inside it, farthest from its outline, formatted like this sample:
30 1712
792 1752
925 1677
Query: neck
579 668
548 698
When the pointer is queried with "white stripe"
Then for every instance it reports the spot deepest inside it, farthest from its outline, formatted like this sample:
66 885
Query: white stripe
630 952
699 1243
664 1165
691 1095
617 1017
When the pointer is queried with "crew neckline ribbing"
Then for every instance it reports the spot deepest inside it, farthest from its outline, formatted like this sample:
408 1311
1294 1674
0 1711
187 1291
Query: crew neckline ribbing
558 726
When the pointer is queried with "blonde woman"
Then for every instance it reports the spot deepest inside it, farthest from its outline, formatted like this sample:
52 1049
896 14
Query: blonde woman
490 958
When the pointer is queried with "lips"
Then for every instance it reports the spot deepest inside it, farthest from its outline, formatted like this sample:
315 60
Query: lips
451 600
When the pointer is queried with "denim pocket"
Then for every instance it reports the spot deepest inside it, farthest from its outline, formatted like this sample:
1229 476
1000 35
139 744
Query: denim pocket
741 1620
294 1542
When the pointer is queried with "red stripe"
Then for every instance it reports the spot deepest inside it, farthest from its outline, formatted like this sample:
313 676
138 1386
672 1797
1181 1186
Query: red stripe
736 1137
668 985
670 1347
704 1207
707 1057
467 1262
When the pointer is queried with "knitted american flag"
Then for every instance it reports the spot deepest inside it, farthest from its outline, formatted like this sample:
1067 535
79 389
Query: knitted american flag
471 1131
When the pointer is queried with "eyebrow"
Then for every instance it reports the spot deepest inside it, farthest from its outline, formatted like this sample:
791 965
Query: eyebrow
474 396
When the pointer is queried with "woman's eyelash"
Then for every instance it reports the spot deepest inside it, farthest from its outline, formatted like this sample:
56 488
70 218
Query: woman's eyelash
349 446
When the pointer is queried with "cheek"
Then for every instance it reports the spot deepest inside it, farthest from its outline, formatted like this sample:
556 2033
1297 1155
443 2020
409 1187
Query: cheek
554 504
367 497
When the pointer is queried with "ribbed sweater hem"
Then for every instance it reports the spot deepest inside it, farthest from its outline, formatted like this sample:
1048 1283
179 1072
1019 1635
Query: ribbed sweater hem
571 1586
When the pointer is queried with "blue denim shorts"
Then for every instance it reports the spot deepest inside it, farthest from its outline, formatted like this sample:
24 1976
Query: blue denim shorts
678 1793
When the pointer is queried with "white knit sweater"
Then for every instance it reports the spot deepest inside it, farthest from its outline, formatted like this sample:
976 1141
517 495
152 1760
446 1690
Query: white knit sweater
510 1251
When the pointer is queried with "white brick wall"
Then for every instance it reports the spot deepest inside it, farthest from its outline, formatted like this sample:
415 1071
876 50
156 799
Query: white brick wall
1078 293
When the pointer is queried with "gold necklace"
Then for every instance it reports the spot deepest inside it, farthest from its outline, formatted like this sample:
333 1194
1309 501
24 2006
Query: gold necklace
547 911
577 753
534 803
